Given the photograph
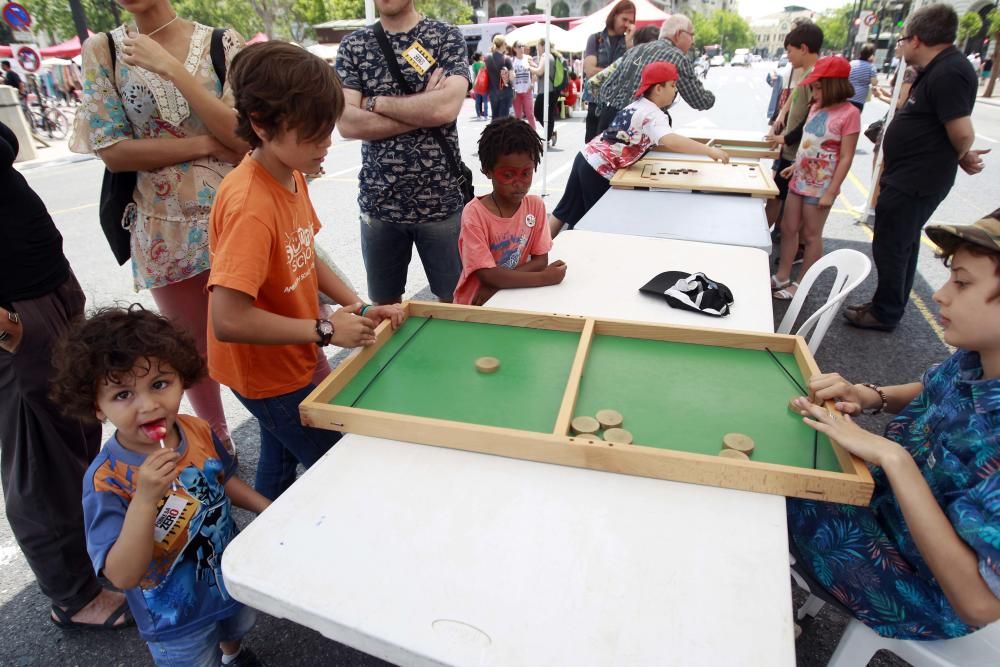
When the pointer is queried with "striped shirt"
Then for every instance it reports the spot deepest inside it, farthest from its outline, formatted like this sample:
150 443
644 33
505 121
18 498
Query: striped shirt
862 73
619 89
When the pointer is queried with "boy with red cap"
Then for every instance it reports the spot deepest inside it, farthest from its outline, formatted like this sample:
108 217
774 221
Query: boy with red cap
635 129
829 138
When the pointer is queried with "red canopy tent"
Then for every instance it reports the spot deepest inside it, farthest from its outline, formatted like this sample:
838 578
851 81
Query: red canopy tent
6 51
68 49
646 13
258 38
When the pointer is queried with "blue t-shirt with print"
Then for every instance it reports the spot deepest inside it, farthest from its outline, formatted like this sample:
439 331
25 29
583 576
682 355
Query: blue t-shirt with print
405 178
866 557
182 588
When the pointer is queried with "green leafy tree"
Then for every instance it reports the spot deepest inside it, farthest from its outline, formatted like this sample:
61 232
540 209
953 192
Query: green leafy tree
455 12
994 20
835 24
727 29
54 19
347 9
969 26
705 32
235 14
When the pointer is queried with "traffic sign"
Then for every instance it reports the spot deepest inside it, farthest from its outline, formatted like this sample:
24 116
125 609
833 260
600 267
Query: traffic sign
28 57
16 16
870 20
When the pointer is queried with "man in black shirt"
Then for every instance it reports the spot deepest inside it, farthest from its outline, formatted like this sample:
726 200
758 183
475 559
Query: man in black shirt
10 77
43 453
926 142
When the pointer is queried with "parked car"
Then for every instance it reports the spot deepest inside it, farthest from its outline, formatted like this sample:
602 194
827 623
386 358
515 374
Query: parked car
717 61
741 58
783 60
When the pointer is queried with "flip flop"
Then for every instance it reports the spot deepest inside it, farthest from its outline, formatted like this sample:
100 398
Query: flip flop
783 294
64 619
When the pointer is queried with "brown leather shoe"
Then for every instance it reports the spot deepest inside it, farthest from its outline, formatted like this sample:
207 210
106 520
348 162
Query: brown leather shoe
865 319
859 306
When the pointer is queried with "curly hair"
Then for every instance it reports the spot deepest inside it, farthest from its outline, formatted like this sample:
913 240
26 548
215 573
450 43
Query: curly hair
107 347
505 136
280 87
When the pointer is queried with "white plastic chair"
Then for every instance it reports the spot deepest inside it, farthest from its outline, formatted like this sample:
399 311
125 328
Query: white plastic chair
852 268
859 642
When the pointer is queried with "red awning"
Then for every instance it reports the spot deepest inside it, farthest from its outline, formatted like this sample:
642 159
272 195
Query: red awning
68 49
646 13
258 38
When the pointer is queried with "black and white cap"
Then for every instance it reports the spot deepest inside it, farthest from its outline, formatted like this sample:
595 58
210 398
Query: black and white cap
691 291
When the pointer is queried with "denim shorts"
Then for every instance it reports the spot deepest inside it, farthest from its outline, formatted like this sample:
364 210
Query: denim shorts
813 201
387 248
201 647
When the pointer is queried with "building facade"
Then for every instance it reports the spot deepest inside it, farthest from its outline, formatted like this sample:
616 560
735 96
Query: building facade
770 30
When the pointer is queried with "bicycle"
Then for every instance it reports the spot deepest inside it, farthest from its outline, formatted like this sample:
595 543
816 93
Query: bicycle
52 121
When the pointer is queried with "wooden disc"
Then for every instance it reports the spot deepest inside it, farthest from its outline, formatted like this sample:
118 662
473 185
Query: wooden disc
739 442
584 425
618 436
733 454
487 364
609 418
794 408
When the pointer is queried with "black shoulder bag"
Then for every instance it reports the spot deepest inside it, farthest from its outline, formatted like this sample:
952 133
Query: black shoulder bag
118 189
461 171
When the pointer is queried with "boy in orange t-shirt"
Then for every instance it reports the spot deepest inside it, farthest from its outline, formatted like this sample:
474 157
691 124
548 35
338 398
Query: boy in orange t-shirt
265 278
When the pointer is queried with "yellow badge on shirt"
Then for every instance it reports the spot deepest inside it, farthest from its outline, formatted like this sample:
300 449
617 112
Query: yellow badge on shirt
419 58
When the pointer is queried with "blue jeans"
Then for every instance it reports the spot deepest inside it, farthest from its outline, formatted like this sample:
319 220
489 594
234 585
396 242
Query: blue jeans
284 441
387 247
201 647
482 106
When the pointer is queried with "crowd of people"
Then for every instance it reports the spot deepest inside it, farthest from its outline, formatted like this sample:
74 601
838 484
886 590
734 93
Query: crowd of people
223 137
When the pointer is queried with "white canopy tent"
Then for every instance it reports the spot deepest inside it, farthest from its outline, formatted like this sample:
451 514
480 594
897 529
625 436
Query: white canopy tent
562 40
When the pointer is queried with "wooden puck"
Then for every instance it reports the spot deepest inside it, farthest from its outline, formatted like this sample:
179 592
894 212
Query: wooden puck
584 425
738 442
733 454
487 364
609 418
618 436
794 408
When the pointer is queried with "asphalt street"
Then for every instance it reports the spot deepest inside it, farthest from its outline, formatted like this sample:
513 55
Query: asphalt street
70 189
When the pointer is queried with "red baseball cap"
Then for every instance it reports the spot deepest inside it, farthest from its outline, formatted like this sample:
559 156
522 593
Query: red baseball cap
831 67
654 73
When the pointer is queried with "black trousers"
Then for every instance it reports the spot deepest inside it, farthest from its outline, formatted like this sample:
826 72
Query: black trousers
899 220
44 454
592 117
605 118
553 110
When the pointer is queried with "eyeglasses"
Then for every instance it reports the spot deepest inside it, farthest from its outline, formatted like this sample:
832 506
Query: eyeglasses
687 32
905 38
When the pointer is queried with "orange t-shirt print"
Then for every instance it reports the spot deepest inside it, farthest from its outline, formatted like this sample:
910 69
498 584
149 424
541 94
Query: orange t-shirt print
260 241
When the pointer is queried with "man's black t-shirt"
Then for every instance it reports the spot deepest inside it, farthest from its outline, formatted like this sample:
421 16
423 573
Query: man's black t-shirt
494 63
30 245
919 158
12 79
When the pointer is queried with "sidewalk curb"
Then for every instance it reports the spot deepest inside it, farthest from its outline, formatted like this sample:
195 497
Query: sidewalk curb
989 101
31 165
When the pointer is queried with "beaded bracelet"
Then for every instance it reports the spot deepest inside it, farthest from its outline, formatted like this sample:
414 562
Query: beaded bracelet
881 394
364 309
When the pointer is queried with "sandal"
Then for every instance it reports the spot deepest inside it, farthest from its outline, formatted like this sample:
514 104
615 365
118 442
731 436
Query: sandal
784 294
64 619
777 284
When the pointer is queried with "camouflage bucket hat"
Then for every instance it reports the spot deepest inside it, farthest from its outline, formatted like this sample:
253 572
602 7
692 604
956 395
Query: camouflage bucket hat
984 232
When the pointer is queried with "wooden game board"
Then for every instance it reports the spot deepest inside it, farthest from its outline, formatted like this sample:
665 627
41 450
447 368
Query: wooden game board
680 389
745 178
741 147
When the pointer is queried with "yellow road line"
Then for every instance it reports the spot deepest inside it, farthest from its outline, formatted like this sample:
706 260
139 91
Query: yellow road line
921 305
856 182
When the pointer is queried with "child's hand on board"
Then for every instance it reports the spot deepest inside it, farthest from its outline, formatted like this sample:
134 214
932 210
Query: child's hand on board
392 312
554 273
350 329
787 172
847 398
155 475
718 155
841 429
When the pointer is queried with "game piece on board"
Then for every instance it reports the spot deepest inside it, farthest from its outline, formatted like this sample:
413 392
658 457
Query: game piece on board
609 418
791 405
739 442
733 454
487 364
618 436
584 425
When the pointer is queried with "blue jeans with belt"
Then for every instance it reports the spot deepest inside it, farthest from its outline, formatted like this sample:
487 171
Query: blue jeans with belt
284 441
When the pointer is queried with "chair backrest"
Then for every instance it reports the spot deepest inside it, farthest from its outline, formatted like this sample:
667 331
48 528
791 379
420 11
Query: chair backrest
852 268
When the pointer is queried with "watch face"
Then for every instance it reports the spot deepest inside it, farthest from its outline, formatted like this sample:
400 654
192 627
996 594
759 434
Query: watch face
325 328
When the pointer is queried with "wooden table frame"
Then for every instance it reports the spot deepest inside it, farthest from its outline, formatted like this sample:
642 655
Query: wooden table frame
631 178
853 485
757 149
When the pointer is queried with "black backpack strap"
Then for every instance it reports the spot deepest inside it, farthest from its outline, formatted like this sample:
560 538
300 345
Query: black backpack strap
218 53
114 54
390 59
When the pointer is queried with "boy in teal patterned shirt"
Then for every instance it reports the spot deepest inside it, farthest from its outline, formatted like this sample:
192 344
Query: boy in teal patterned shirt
922 561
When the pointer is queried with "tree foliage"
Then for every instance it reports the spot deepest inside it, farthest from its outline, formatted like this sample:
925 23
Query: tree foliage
835 24
455 12
969 26
54 19
727 29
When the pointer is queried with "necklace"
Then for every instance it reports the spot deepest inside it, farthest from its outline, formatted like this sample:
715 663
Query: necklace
176 16
499 210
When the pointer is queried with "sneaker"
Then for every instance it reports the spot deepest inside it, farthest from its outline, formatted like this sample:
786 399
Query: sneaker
247 658
552 139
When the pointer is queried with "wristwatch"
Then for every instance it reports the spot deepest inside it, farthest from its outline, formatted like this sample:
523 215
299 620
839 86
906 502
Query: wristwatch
370 106
325 330
13 317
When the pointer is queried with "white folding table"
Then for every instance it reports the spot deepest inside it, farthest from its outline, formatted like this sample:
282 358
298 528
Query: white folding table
430 556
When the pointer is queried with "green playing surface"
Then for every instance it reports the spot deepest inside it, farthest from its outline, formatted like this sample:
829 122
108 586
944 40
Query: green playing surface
673 395
687 397
435 374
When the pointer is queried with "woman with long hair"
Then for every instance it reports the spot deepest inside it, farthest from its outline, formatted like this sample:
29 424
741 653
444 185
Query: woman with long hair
157 106
603 48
